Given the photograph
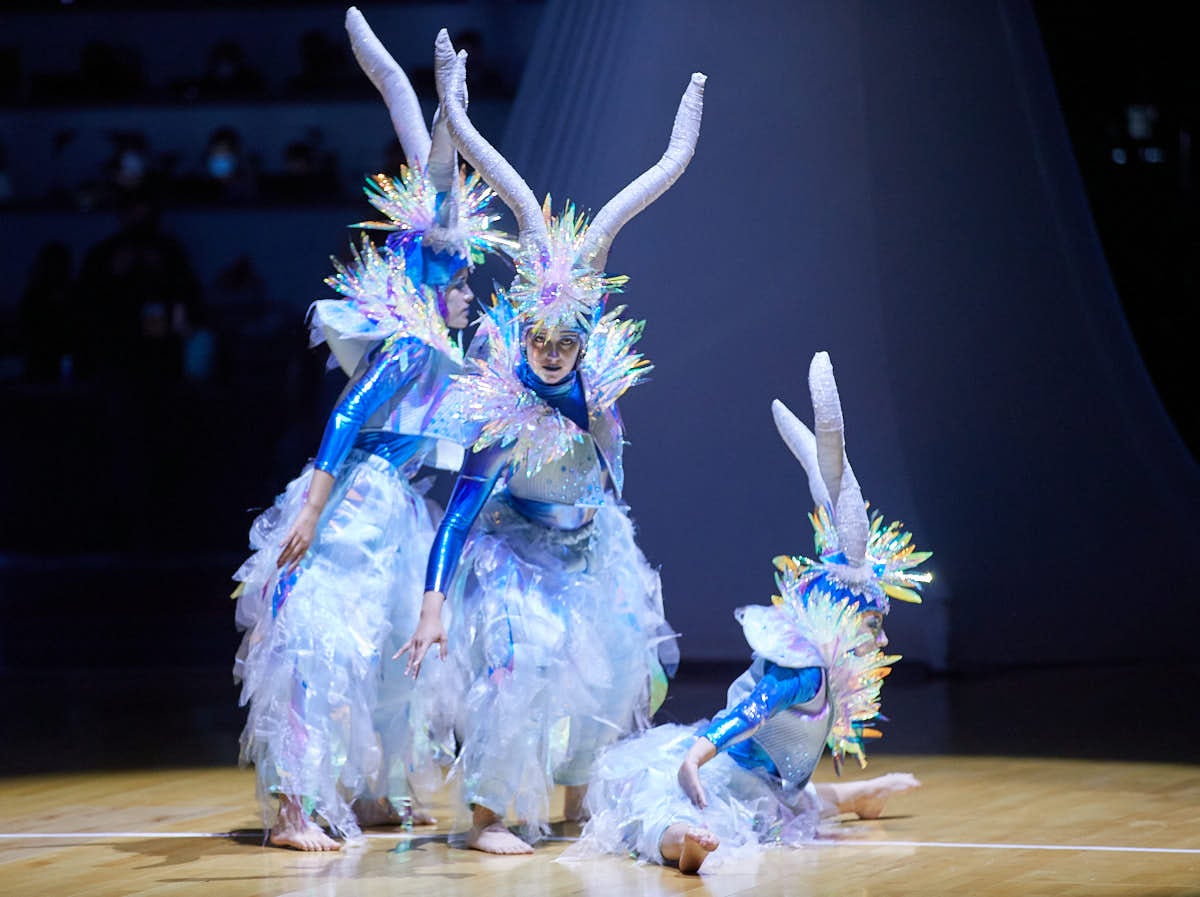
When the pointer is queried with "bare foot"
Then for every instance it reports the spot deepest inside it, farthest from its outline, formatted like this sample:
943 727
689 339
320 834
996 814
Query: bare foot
295 830
574 809
422 817
866 799
489 834
495 838
687 846
698 843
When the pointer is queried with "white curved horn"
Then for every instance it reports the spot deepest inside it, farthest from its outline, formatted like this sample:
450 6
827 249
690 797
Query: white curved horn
827 423
803 445
850 518
655 181
391 82
442 167
492 167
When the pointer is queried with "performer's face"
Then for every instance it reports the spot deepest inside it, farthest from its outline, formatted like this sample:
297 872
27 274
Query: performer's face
552 354
872 624
457 299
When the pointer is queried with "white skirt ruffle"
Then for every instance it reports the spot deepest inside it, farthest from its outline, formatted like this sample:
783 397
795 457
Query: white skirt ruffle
315 662
559 642
635 795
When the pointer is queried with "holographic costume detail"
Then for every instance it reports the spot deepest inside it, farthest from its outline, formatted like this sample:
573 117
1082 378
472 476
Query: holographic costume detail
331 717
558 632
557 616
814 683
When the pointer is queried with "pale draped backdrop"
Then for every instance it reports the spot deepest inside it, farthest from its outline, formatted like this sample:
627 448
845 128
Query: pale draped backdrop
893 183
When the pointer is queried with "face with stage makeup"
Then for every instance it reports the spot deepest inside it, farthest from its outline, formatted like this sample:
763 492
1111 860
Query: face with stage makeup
871 624
552 353
456 299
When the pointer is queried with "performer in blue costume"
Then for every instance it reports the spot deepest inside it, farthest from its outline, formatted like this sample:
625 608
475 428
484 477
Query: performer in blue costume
338 560
677 793
558 632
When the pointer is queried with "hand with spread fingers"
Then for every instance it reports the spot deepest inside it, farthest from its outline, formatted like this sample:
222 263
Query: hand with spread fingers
429 632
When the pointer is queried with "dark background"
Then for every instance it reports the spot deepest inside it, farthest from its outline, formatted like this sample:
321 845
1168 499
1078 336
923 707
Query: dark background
985 211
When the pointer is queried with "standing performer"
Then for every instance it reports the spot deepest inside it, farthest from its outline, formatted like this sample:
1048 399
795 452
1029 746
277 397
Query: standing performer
340 556
558 629
676 793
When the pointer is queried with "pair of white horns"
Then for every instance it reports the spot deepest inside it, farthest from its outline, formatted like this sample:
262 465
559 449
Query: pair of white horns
822 453
436 156
432 153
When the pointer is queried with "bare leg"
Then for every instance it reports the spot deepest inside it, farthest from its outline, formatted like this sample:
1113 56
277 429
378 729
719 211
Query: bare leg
573 807
295 830
489 834
864 799
687 846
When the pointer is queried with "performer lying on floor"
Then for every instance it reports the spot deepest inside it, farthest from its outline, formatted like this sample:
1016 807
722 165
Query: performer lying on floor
675 794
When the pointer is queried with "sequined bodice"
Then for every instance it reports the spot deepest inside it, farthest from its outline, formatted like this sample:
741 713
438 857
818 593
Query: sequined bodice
574 479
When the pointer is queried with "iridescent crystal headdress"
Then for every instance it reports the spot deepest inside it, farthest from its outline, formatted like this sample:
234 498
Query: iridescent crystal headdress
560 280
858 557
437 219
438 223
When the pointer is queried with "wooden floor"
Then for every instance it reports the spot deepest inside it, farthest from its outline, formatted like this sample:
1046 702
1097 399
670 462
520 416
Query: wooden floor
979 826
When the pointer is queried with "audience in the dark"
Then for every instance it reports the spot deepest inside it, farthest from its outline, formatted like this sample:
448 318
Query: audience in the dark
138 298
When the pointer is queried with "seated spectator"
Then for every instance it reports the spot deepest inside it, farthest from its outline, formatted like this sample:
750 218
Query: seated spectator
324 67
228 170
229 74
139 296
309 171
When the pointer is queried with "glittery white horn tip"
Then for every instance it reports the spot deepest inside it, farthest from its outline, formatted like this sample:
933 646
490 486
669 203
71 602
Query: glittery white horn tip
827 422
391 82
653 182
443 158
799 439
450 70
444 61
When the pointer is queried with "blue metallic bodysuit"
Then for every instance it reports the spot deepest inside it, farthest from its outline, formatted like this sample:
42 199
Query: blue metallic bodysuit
322 700
564 495
383 411
556 625
776 719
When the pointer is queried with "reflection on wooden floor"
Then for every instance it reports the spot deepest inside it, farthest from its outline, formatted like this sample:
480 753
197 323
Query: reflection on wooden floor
979 826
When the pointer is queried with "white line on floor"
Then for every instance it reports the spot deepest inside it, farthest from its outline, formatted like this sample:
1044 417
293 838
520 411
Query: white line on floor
954 845
963 845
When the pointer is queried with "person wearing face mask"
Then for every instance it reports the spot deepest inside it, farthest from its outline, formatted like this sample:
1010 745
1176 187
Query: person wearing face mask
227 170
676 794
557 634
339 558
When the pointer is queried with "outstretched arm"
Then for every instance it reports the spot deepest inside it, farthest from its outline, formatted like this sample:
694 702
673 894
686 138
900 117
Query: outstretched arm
475 482
394 368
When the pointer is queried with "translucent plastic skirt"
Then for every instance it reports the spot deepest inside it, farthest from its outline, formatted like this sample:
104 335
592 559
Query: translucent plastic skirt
560 648
331 716
635 795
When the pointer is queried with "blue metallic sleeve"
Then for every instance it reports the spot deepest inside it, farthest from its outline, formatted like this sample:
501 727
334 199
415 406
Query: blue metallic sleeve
475 482
780 687
392 369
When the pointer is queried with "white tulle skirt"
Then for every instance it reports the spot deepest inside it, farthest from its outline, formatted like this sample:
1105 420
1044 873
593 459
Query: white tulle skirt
331 716
635 795
559 647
